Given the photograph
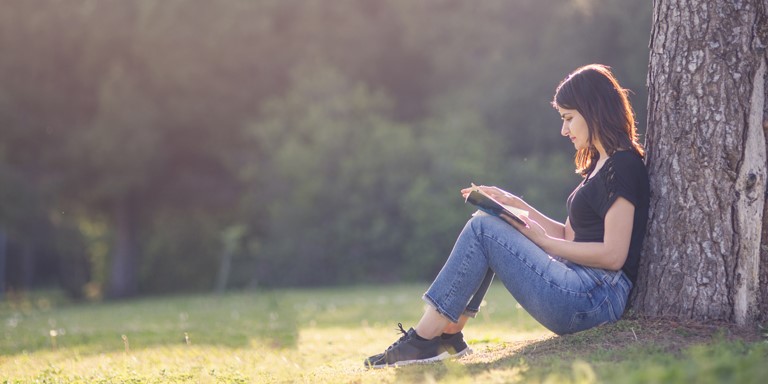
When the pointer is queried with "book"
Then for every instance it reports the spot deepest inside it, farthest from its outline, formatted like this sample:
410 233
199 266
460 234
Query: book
491 206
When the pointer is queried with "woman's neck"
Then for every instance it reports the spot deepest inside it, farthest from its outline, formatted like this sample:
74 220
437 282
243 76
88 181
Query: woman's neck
602 158
601 151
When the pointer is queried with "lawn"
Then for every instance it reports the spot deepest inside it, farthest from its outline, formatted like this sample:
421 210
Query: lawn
323 335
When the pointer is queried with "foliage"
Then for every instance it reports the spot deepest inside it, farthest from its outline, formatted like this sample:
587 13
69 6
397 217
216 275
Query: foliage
335 134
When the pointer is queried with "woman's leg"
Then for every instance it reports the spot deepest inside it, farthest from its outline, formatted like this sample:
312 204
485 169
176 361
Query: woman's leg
551 290
453 328
433 324
562 296
423 343
473 307
461 285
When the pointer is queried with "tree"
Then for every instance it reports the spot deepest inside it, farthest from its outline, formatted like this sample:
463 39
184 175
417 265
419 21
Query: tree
705 256
127 120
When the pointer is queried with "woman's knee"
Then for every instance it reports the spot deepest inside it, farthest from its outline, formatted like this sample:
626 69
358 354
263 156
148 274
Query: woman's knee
483 222
492 227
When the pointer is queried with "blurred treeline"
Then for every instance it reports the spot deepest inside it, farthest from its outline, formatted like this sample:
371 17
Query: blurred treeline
173 145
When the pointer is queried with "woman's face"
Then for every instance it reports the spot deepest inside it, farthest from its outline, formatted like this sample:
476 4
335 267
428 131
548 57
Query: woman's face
574 127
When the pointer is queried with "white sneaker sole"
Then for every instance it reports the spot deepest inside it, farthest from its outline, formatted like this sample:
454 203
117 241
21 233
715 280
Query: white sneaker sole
465 352
440 357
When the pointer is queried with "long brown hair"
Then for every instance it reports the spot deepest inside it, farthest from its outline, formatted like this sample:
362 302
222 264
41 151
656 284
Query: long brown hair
594 92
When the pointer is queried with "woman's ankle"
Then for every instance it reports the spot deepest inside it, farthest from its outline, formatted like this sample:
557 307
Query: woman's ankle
453 328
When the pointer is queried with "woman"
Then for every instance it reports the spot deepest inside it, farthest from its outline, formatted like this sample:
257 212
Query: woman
569 276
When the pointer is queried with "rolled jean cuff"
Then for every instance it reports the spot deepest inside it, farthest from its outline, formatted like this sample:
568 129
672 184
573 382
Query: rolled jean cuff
439 309
471 313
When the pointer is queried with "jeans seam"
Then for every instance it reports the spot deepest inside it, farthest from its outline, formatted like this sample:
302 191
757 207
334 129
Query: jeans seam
462 272
611 313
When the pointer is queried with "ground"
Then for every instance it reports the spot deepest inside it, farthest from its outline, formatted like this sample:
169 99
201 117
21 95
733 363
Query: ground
323 336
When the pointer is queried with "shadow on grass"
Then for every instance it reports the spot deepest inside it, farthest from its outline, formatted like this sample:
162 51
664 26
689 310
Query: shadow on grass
627 340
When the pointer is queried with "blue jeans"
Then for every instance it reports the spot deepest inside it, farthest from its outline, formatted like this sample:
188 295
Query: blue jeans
563 296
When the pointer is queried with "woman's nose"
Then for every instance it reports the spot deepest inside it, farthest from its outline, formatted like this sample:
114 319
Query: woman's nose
564 129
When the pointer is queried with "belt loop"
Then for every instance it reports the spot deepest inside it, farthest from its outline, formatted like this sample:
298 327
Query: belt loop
617 277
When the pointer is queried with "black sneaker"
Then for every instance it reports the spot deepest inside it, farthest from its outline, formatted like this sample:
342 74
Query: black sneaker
409 350
455 344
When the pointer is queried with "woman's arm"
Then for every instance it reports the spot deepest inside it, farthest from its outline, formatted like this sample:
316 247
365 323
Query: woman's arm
610 254
552 227
569 234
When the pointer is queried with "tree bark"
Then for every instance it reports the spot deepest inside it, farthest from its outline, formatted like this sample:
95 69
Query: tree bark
763 275
704 254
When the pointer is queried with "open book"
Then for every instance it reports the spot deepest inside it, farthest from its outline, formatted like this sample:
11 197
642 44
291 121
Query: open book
490 206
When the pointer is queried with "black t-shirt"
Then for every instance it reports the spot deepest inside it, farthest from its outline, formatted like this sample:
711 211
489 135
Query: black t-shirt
623 174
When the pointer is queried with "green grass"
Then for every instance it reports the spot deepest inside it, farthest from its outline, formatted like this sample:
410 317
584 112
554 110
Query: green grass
323 335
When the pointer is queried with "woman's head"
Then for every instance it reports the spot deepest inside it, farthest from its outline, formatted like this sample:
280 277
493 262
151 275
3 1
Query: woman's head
592 93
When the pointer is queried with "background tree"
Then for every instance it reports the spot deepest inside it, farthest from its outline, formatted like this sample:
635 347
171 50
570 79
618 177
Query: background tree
705 258
158 146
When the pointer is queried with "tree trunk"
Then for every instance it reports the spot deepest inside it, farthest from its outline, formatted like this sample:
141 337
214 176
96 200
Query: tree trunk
3 242
705 249
123 279
763 297
28 261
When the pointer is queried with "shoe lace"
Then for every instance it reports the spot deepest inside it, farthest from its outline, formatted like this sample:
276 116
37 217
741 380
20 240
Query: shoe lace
401 339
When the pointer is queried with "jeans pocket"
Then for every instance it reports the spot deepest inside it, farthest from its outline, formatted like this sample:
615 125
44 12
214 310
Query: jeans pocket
599 315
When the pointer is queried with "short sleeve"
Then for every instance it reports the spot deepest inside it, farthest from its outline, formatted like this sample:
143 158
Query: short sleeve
623 177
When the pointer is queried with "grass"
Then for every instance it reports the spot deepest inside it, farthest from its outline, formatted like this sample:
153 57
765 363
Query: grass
323 335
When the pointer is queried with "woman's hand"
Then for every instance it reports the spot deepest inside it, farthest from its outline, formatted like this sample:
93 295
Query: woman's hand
499 195
532 230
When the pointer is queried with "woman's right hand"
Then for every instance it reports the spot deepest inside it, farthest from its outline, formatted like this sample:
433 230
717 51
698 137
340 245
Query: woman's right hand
499 195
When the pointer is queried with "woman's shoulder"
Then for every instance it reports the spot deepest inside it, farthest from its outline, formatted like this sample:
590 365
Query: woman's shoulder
627 159
626 155
625 165
627 176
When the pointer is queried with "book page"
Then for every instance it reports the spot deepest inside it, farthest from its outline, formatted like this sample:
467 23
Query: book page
516 211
